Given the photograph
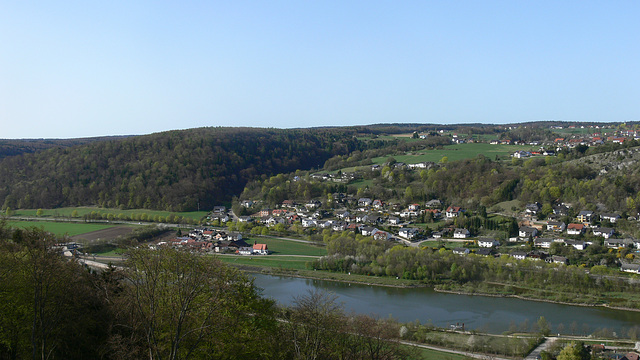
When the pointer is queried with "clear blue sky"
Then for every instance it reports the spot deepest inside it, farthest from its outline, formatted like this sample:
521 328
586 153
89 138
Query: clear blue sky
91 68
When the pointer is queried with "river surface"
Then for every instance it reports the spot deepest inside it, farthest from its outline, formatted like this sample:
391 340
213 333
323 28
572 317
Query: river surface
489 314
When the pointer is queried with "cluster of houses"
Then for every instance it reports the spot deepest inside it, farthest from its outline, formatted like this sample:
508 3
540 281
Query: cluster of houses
362 215
215 241
366 216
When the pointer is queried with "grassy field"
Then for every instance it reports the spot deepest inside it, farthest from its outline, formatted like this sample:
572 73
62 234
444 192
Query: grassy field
457 152
362 183
272 261
288 247
490 344
83 210
61 228
114 252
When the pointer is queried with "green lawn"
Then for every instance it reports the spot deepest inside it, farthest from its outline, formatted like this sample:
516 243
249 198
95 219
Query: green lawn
113 252
288 247
83 210
362 183
61 228
285 262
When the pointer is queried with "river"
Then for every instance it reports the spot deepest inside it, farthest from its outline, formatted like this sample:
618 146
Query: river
489 314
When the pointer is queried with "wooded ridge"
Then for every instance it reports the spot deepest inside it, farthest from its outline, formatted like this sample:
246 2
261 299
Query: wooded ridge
175 171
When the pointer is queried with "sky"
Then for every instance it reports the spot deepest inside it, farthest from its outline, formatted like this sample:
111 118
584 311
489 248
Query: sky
92 68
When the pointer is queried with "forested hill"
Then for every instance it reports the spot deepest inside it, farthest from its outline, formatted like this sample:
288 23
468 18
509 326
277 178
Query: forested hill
13 147
175 170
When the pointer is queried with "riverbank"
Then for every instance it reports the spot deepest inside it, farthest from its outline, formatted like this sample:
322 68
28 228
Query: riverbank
435 288
337 277
404 283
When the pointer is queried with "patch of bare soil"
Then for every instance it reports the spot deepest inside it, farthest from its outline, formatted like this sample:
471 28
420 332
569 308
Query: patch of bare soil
104 234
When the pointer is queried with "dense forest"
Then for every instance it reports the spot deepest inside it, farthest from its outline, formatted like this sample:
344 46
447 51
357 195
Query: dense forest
12 147
176 170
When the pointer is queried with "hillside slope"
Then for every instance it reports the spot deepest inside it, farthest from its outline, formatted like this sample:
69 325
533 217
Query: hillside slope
175 170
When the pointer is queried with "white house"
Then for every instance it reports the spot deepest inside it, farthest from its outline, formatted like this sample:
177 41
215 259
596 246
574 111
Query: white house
260 249
461 233
488 242
526 231
368 231
575 229
543 242
612 218
461 251
632 268
604 232
577 244
308 222
453 211
556 226
616 243
408 233
381 235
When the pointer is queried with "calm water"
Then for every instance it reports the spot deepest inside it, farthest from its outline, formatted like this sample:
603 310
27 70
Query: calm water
494 315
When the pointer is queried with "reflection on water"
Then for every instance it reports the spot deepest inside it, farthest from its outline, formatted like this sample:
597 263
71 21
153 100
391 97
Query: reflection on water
490 314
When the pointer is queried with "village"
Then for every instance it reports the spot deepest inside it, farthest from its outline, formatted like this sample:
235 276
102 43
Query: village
560 236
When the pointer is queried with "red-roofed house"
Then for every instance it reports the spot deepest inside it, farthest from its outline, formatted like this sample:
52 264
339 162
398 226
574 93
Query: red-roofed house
453 211
260 249
575 229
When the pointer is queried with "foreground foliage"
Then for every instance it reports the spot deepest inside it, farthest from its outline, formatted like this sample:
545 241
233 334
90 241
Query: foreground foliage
165 304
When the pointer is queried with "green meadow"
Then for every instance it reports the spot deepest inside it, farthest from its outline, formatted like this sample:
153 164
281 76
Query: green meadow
457 152
272 261
287 247
61 228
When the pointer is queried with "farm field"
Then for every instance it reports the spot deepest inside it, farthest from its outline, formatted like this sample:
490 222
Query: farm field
85 210
104 234
287 247
61 228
